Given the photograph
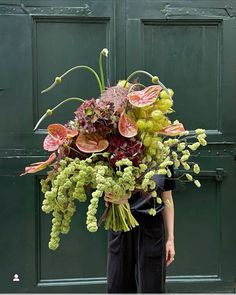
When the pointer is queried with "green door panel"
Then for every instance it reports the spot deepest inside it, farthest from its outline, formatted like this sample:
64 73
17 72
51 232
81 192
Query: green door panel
193 58
190 45
15 79
82 42
41 40
17 241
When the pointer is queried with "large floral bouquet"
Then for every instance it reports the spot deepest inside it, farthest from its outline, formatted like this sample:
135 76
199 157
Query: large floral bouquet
114 144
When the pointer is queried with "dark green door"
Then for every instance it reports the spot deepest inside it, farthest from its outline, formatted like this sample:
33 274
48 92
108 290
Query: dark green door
191 46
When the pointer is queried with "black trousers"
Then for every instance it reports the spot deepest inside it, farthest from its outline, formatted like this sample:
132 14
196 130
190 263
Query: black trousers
136 259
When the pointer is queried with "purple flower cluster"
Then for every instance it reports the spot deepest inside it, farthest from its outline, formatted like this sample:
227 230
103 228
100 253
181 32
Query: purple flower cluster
92 117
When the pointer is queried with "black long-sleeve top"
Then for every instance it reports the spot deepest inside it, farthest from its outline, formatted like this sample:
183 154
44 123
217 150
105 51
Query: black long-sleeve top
142 204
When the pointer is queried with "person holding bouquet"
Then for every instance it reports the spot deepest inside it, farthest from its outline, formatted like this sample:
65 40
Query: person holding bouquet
137 259
122 146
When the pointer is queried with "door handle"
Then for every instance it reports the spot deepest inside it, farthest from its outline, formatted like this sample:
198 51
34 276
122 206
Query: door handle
220 174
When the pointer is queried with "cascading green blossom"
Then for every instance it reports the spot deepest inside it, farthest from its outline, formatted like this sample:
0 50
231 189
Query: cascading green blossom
67 186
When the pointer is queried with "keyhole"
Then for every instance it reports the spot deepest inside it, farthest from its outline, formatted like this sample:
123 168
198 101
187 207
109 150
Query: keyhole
16 278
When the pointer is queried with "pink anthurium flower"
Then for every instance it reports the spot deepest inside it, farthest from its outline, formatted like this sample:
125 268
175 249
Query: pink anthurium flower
173 130
127 126
56 137
144 97
91 143
35 167
72 133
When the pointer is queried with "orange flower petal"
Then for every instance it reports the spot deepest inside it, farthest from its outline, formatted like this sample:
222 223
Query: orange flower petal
72 133
144 97
35 167
127 127
55 138
91 143
173 130
58 131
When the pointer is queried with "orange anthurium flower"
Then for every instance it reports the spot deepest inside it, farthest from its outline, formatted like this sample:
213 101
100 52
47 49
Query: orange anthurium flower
72 133
35 167
56 137
144 97
127 126
91 143
173 130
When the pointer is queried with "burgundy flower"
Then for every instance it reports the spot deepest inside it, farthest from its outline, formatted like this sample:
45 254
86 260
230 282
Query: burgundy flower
121 147
85 109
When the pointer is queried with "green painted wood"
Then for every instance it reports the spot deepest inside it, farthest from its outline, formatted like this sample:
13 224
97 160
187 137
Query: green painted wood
190 45
41 40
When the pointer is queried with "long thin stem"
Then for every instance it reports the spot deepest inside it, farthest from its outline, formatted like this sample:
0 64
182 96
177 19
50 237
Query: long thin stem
136 84
137 72
101 71
149 75
49 112
74 150
125 226
70 70
114 218
164 87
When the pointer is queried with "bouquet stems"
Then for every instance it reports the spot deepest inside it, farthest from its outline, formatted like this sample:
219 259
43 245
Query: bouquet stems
120 218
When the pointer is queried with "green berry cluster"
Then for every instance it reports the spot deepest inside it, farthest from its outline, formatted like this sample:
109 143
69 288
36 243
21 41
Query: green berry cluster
176 151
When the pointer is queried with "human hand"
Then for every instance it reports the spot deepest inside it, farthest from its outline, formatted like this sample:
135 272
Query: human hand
109 198
170 252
